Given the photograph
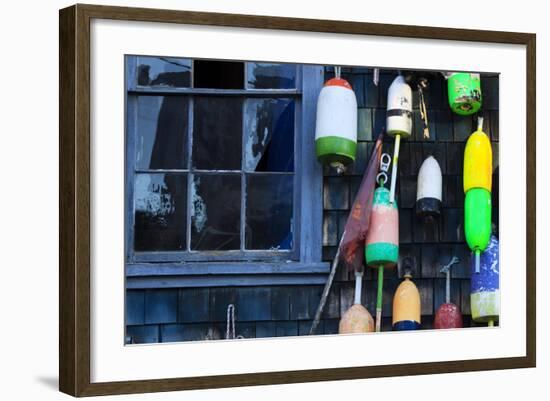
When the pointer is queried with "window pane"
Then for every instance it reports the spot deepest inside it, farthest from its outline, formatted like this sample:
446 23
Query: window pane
163 71
268 75
217 133
216 212
269 201
218 74
160 202
162 131
269 135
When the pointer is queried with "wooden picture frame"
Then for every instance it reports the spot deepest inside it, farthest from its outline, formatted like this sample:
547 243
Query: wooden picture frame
75 208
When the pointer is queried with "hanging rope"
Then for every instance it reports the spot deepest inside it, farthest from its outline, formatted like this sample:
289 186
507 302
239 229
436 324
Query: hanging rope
230 324
423 112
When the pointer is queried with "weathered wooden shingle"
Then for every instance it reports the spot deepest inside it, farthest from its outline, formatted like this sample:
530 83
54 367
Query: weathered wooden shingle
135 307
405 226
194 305
277 329
455 158
489 92
364 124
280 303
336 193
463 126
143 334
220 298
444 125
161 306
253 304
330 228
452 225
434 257
426 229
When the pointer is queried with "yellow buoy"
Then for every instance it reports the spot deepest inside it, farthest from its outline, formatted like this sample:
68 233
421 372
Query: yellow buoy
406 306
478 162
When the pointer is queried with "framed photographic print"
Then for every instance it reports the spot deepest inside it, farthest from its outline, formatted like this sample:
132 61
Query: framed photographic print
250 200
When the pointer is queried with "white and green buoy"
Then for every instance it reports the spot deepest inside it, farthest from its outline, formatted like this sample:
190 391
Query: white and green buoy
336 127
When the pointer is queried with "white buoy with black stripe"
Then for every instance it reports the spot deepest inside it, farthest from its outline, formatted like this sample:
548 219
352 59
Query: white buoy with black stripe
398 121
429 189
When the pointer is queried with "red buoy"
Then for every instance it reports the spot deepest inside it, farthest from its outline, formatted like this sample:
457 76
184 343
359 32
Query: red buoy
448 316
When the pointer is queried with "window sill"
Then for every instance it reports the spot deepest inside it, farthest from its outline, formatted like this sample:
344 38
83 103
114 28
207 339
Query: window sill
169 275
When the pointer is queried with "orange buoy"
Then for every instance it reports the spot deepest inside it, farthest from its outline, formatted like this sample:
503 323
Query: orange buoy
357 318
406 305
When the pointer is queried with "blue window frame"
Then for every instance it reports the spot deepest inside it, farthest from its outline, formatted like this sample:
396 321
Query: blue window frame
170 239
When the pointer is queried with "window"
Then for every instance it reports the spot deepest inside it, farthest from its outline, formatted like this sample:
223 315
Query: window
220 166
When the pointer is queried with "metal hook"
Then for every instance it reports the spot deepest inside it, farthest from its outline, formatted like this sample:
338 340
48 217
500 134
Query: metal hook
382 178
385 161
447 267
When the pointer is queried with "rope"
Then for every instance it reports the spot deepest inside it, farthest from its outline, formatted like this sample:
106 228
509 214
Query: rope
230 325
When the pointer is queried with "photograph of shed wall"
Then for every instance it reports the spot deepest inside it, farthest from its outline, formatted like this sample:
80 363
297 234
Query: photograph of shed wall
181 314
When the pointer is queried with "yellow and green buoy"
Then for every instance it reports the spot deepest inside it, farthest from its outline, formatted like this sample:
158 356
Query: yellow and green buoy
478 167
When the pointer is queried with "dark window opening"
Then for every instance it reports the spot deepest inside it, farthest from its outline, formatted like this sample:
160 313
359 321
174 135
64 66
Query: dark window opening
218 74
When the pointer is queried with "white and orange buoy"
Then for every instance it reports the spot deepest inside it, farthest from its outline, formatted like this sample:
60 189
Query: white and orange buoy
336 125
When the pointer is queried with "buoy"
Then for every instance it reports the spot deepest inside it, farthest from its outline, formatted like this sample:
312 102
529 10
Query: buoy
357 318
336 127
429 189
464 92
406 305
448 315
398 121
484 294
382 242
478 160
477 219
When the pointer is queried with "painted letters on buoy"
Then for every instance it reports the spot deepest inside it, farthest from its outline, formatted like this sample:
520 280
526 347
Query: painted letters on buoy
429 189
399 111
484 294
464 92
406 306
336 127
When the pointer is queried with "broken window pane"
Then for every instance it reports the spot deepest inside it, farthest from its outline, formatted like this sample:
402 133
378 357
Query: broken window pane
269 200
160 203
164 71
162 131
271 76
217 133
215 212
218 74
269 135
